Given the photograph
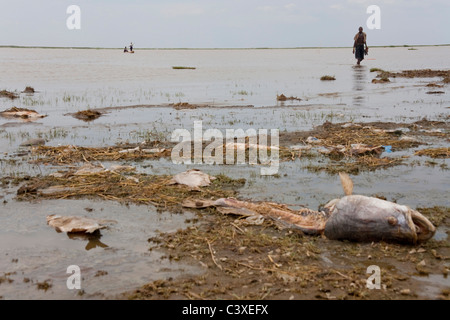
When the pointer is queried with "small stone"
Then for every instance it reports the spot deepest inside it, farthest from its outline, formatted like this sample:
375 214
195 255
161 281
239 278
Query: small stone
405 292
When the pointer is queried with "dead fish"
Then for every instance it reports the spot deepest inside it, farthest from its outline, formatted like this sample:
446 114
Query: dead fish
193 178
22 113
74 224
88 169
362 218
353 217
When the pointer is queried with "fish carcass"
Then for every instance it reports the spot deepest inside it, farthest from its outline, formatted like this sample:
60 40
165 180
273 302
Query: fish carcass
353 217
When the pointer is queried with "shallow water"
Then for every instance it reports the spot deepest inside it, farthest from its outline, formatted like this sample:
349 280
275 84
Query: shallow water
72 80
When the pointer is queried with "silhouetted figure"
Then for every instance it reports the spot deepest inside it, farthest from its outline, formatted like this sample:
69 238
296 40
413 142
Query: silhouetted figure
358 45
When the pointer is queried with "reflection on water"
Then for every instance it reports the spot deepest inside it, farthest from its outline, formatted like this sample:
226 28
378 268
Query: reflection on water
93 239
359 85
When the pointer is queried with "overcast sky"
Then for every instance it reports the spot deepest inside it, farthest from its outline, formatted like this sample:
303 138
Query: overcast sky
222 23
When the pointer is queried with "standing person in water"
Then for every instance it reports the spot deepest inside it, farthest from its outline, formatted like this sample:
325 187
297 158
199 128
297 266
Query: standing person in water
131 46
358 45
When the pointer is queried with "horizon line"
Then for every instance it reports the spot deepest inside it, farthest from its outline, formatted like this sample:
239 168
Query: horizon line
218 48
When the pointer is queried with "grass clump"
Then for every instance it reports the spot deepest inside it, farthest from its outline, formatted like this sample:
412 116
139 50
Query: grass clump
8 94
382 80
442 153
87 115
64 155
183 68
282 97
327 78
157 190
29 90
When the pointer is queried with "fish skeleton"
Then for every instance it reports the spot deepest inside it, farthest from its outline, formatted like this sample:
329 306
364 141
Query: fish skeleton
353 217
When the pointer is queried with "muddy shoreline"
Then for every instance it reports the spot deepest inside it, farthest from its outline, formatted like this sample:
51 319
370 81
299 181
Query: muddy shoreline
240 261
392 138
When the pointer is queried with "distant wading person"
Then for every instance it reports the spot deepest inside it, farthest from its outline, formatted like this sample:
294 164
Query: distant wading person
358 45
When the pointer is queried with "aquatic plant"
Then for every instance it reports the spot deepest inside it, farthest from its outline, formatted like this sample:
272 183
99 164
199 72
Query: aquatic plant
327 78
8 94
181 68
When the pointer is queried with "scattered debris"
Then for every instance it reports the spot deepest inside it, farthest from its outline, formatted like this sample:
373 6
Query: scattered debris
8 94
121 168
443 153
75 224
434 85
87 115
72 154
45 285
382 80
89 169
182 68
128 187
305 220
313 140
33 142
422 73
282 97
193 178
183 105
22 113
29 90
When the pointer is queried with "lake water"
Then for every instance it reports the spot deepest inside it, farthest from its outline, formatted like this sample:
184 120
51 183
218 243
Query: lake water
240 87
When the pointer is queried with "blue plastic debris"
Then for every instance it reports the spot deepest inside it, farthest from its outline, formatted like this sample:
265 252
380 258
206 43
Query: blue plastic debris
387 149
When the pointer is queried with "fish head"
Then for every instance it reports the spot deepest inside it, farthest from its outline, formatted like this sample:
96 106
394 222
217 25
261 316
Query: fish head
361 218
424 228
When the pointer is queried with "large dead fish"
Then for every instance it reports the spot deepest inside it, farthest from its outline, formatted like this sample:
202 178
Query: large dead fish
361 218
75 224
353 217
22 113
